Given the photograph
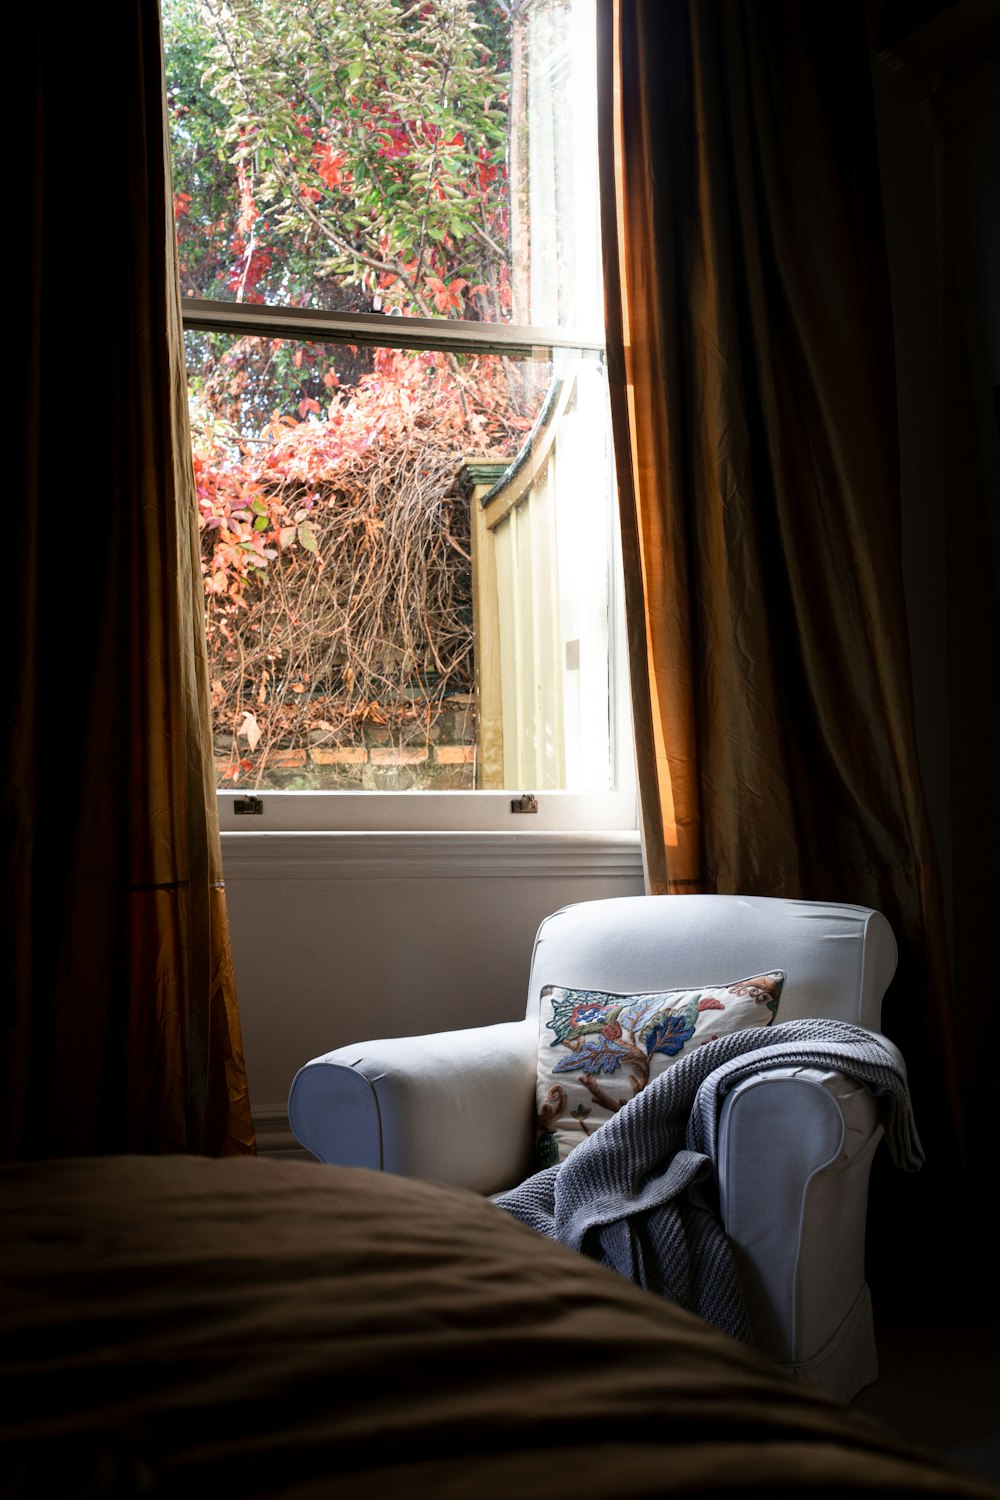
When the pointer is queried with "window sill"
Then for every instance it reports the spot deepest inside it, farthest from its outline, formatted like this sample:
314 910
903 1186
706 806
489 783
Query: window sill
426 812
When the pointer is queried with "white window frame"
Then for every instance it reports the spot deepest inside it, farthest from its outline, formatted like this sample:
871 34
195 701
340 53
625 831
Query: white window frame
469 811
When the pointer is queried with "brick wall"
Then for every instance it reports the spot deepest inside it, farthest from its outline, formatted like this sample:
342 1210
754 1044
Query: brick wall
439 756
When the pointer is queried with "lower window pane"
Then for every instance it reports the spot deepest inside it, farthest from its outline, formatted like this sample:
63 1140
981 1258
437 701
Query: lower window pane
406 566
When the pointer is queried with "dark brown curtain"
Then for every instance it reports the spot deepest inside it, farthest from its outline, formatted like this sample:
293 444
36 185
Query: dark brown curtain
119 1023
750 351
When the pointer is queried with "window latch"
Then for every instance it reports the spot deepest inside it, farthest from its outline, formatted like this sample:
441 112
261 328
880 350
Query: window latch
524 804
249 805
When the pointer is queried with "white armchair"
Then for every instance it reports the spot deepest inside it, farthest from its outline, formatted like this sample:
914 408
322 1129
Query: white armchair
795 1144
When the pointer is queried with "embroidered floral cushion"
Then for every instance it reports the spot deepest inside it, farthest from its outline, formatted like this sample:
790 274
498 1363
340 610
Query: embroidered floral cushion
597 1050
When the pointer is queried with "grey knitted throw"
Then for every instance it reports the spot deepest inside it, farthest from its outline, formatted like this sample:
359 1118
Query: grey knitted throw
628 1195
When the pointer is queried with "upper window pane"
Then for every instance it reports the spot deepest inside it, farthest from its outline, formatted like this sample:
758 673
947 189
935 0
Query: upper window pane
434 159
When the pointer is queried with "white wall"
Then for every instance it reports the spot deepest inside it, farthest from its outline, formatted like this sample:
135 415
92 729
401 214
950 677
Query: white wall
342 937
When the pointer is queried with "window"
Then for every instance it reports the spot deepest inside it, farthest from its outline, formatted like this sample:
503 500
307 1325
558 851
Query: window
387 239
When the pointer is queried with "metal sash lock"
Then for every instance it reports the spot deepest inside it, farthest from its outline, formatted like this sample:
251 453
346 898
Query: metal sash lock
524 804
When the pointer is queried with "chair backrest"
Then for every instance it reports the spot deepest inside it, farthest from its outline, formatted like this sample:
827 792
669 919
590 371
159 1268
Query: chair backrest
838 960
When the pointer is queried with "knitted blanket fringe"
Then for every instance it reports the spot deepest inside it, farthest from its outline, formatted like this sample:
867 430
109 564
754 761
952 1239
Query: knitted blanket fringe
628 1195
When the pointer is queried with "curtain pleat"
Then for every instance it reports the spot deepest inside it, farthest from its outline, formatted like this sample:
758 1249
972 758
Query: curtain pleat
120 1029
753 398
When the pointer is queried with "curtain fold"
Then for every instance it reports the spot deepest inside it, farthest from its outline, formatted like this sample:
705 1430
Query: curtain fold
120 1029
753 400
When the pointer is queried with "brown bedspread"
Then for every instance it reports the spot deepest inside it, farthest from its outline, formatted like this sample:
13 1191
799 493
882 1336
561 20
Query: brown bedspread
177 1326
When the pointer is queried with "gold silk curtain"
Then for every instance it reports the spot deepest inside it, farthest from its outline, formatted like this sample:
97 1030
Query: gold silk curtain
119 1028
751 363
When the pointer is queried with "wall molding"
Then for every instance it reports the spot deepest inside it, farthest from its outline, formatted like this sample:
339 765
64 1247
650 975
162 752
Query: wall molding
274 1134
430 856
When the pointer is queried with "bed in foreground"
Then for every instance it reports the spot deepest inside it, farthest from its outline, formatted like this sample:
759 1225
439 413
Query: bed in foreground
255 1328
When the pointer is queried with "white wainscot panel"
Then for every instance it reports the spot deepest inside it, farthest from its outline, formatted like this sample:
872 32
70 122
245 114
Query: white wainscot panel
343 936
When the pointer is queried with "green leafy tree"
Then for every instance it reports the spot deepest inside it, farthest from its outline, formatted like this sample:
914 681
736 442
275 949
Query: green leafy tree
366 147
205 183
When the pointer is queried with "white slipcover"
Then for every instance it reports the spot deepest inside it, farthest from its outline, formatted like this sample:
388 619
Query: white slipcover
795 1145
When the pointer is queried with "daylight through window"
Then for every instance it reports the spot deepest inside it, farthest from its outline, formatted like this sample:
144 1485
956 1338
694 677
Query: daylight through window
387 237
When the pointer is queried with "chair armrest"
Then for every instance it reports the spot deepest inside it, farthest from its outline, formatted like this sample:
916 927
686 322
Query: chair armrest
455 1107
795 1149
